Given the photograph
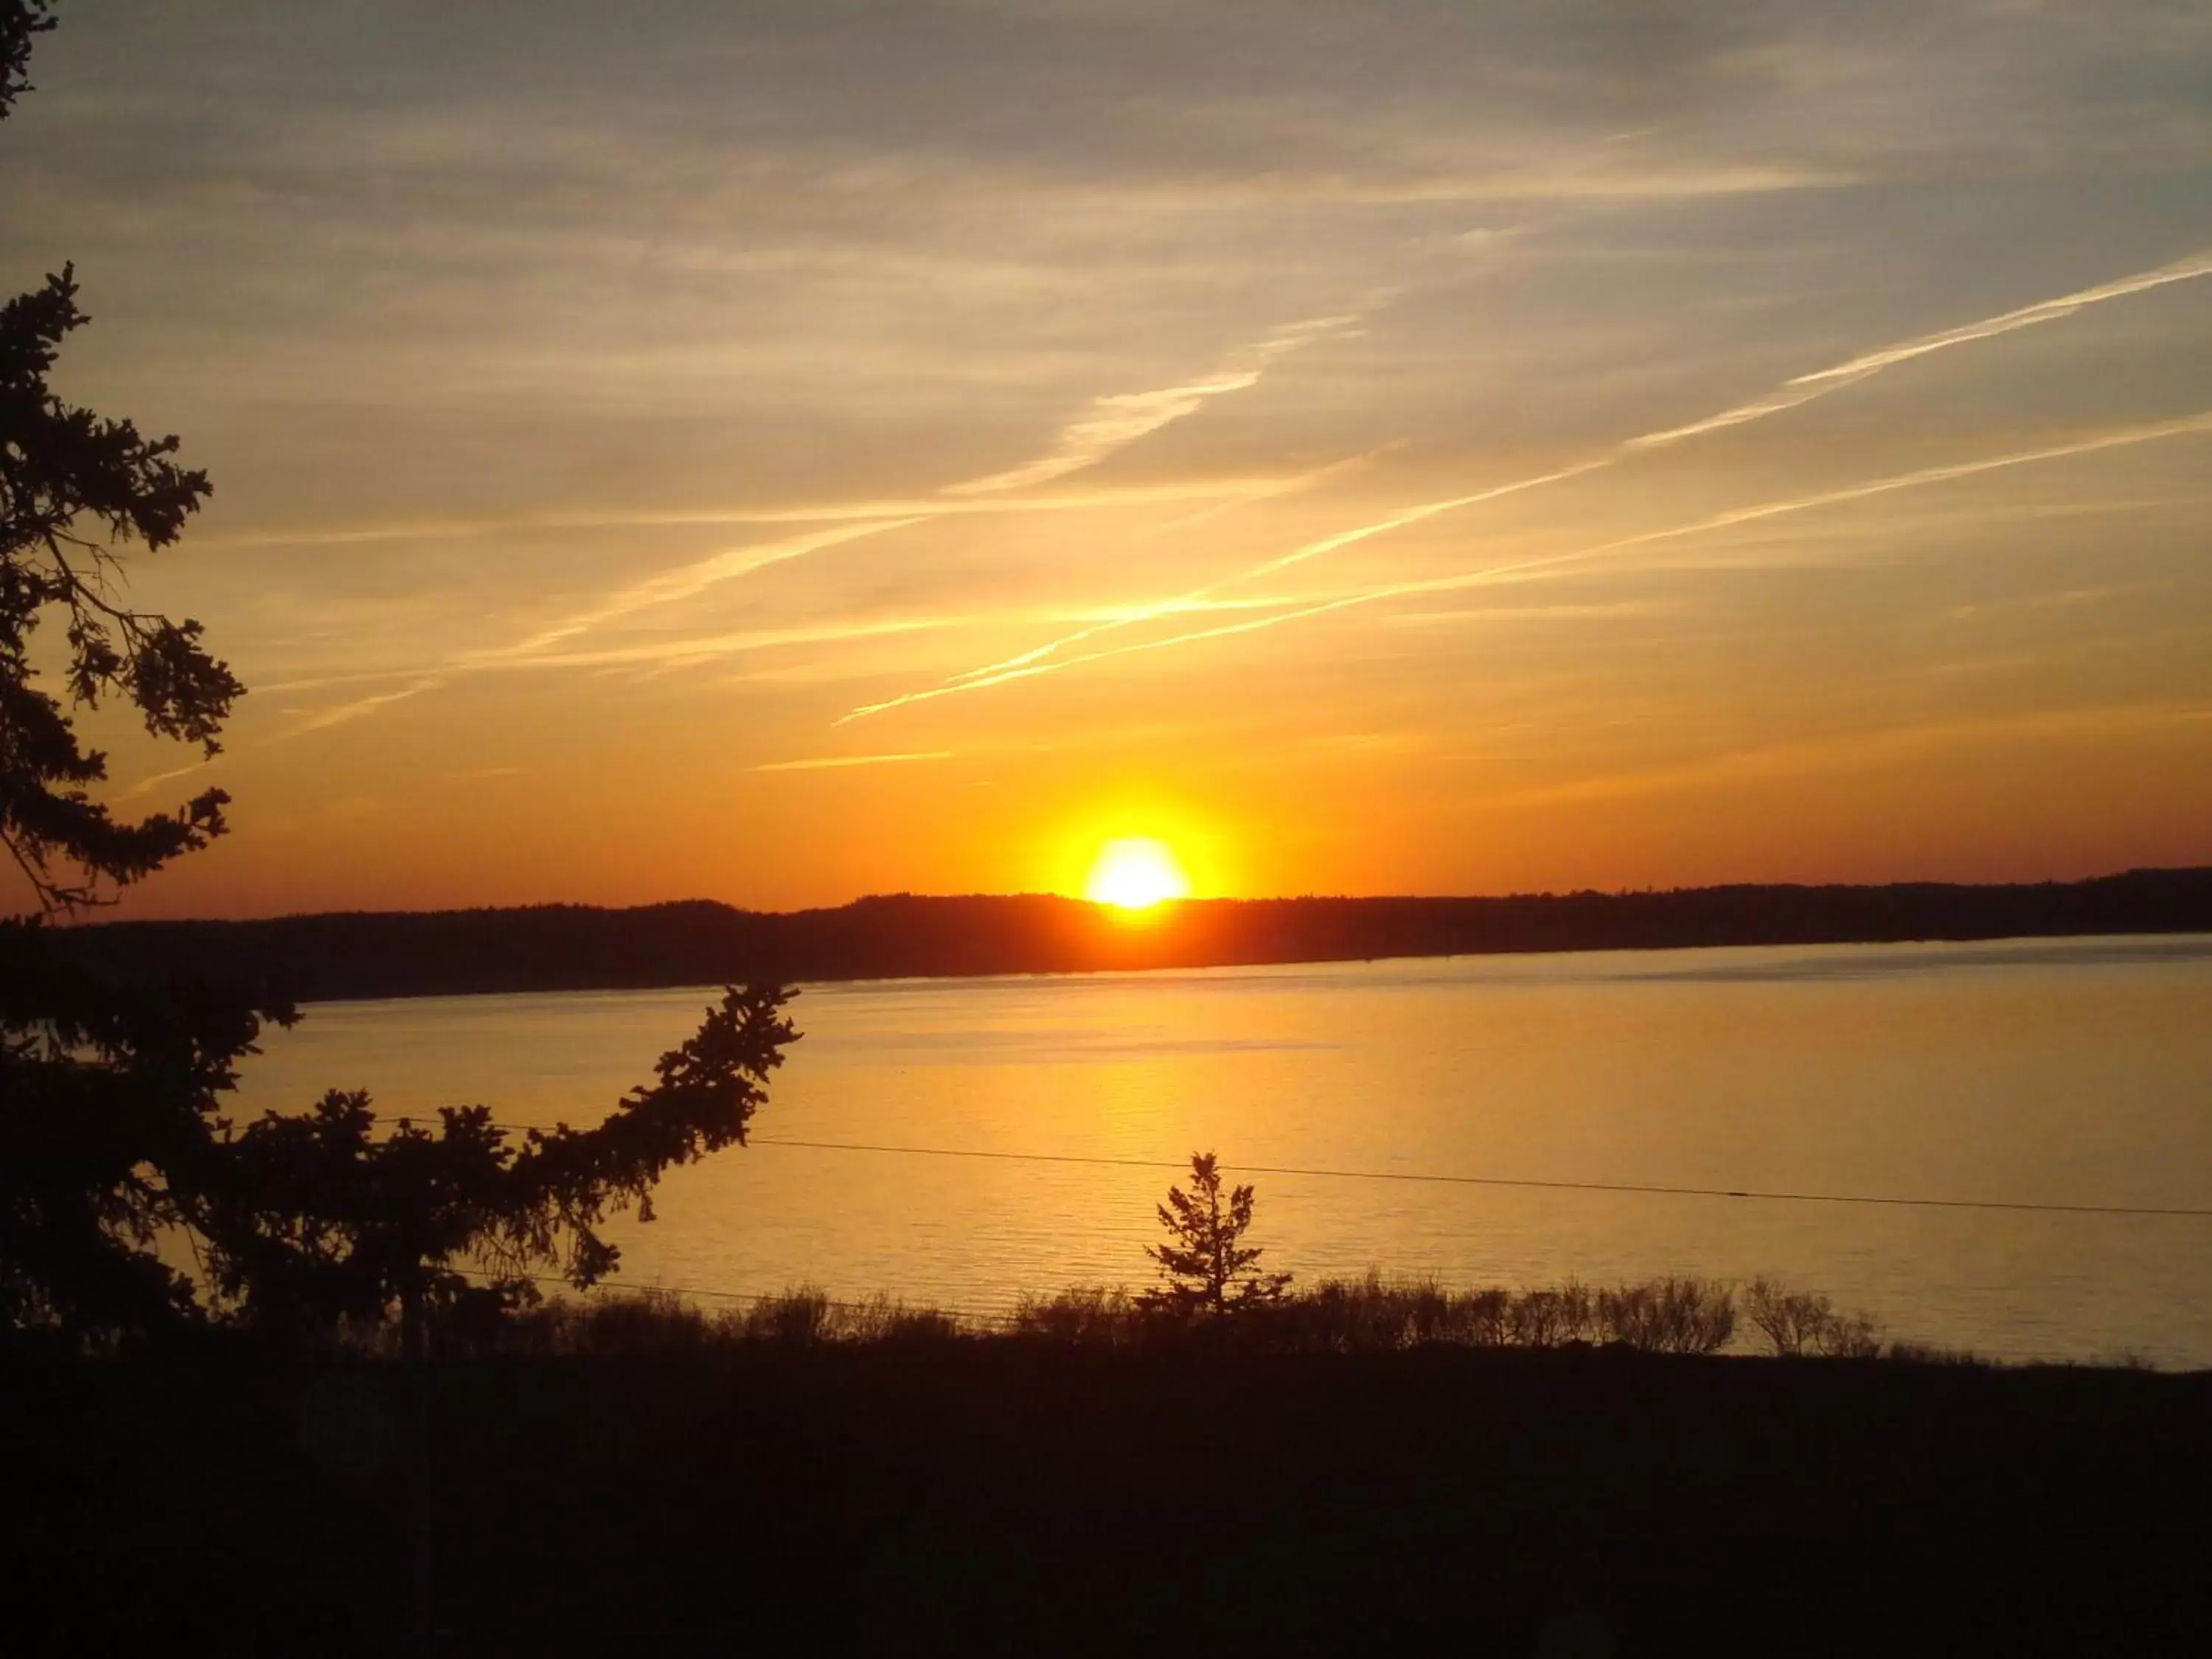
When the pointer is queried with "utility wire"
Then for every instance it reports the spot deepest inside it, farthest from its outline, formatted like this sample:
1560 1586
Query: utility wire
1502 1180
1531 1183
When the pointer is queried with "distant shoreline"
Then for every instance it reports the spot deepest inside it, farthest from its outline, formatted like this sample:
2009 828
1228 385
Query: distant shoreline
367 956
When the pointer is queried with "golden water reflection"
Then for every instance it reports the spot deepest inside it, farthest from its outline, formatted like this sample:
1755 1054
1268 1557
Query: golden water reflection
2070 1072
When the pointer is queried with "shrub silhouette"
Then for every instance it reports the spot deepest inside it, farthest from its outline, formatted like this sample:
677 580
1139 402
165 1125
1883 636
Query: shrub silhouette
1547 1319
663 1322
1795 1322
1484 1318
644 1322
1205 1267
1357 1315
1668 1315
1932 1353
1083 1315
1368 1314
886 1319
800 1318
1362 1315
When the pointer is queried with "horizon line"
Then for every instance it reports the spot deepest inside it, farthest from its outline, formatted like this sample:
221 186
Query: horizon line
1165 906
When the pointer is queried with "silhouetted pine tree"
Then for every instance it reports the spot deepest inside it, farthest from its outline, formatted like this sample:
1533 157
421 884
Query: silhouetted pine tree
111 1077
1204 1266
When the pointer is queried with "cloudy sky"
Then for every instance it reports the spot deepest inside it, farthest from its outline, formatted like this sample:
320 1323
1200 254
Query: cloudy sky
778 452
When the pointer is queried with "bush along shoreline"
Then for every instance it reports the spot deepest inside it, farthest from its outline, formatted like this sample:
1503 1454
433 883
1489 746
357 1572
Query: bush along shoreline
1375 1314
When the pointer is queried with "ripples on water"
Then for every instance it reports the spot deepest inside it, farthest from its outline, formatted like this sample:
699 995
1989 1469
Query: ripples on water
2053 1071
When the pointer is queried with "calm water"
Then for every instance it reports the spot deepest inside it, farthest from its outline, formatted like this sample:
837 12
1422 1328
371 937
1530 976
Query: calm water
2071 1072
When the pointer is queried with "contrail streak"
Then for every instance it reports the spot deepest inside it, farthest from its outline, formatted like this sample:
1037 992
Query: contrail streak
689 580
1114 423
2186 426
1270 489
835 763
323 719
1806 387
1119 419
1791 394
816 513
146 785
1282 562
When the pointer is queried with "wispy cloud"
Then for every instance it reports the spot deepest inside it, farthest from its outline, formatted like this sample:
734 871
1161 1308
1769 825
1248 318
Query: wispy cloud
323 719
1856 751
1270 489
2188 426
1792 394
2123 438
147 785
1199 598
320 719
688 581
1114 423
1806 387
707 648
1081 500
831 763
688 652
1117 420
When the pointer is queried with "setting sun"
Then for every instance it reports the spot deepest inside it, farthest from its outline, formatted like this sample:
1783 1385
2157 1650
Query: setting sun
1135 875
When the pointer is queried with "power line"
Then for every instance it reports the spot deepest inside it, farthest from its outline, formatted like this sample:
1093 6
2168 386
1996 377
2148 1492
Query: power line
1525 1182
1502 1180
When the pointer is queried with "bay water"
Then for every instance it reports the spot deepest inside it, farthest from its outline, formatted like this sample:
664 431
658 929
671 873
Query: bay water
2070 1073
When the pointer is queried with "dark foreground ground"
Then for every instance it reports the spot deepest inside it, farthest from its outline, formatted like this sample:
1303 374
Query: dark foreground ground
1000 1497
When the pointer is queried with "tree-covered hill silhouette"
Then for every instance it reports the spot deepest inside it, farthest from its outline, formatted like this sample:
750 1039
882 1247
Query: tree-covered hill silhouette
699 942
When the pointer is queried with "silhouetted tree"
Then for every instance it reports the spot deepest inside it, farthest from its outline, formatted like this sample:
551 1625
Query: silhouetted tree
1203 1262
108 1090
106 1087
62 467
111 1079
19 21
315 1219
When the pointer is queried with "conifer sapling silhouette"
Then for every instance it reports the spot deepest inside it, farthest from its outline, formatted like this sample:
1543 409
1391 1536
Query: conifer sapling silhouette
1206 1266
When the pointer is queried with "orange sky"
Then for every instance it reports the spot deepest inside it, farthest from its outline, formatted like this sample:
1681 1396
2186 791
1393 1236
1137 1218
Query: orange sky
787 453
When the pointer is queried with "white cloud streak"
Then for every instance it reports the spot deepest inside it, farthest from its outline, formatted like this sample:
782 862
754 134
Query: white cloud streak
832 763
147 785
708 647
324 720
2188 426
688 581
1116 421
1806 387
1792 394
1201 489
1857 752
1199 598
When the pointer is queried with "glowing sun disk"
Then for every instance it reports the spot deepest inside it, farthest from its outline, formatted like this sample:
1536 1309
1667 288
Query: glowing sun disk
1135 875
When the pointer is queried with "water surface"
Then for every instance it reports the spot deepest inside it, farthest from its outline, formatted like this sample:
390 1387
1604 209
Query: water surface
2070 1072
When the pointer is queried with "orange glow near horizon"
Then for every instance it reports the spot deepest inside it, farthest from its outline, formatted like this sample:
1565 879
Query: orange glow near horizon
943 501
1136 873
